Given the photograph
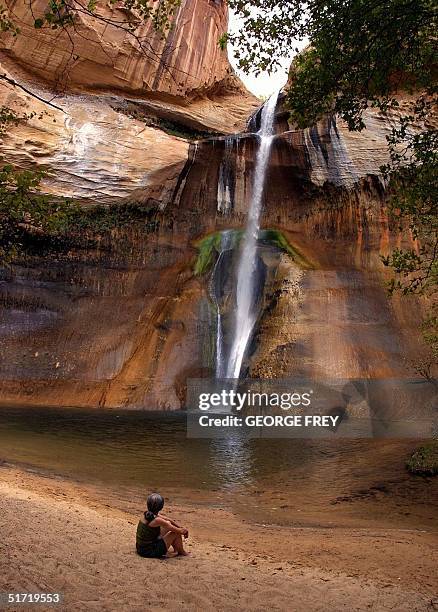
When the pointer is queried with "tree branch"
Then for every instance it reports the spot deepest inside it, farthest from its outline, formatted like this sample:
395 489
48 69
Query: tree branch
4 77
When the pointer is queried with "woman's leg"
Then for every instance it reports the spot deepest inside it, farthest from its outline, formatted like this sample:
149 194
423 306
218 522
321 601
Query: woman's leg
178 545
174 539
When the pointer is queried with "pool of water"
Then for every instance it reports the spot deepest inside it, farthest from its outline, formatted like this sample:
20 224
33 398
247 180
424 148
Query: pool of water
141 448
143 451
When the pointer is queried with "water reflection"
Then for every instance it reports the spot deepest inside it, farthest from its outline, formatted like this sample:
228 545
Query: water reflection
234 458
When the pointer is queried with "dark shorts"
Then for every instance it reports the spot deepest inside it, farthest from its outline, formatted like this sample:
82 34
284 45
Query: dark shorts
154 550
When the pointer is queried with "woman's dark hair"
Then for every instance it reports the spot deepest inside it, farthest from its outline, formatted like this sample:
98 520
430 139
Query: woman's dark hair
154 503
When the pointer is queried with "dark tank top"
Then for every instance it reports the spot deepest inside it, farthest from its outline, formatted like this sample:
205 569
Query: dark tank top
146 534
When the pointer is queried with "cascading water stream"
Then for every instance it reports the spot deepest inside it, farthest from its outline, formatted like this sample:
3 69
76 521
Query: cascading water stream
225 187
226 240
245 314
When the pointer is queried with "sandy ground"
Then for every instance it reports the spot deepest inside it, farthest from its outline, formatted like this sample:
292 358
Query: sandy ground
57 535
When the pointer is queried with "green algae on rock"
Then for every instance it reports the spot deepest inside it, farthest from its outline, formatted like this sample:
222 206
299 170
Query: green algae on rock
209 247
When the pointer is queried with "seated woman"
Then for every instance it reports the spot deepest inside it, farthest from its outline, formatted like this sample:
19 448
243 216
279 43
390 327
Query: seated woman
155 534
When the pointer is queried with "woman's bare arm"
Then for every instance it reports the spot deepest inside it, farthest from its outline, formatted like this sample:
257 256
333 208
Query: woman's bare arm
166 518
162 522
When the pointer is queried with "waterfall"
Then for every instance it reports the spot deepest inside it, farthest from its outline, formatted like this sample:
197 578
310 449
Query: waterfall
226 243
225 187
246 313
219 344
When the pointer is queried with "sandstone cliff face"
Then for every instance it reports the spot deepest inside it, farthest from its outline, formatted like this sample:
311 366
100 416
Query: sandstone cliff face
98 53
125 323
325 194
104 144
92 153
182 75
153 321
100 149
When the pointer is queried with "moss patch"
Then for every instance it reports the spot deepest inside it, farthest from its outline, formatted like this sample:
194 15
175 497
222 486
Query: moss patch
424 460
209 248
278 239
